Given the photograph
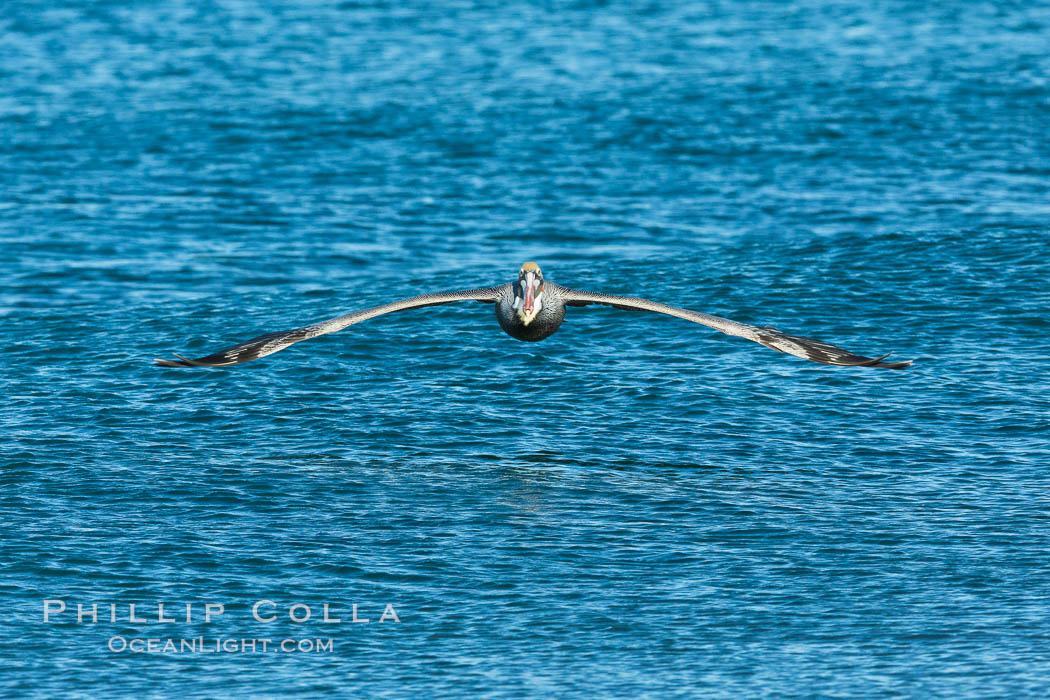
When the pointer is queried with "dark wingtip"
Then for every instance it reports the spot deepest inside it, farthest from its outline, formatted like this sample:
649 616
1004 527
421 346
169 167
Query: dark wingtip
216 360
181 362
878 362
168 363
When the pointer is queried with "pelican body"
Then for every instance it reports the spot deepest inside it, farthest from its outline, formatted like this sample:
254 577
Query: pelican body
529 310
532 309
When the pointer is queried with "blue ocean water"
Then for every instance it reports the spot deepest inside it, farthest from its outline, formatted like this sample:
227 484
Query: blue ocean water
635 507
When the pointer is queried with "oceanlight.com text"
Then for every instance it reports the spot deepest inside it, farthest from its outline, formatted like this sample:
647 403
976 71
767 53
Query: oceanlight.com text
218 645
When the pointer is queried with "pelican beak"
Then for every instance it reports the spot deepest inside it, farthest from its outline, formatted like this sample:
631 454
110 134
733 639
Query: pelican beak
529 290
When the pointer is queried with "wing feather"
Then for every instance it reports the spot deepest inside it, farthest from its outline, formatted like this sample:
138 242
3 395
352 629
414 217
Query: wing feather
797 345
270 343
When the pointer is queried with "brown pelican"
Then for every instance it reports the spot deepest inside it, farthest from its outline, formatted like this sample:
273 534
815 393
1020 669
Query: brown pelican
531 309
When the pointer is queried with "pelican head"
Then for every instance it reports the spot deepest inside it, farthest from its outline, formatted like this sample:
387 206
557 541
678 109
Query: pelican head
528 292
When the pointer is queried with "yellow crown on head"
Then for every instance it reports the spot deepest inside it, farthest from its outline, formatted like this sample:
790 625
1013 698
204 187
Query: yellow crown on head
530 267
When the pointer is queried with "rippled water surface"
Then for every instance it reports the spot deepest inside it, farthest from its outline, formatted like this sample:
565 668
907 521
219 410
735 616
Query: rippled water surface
637 506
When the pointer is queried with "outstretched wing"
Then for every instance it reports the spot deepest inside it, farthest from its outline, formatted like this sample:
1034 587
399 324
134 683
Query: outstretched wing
800 346
272 342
